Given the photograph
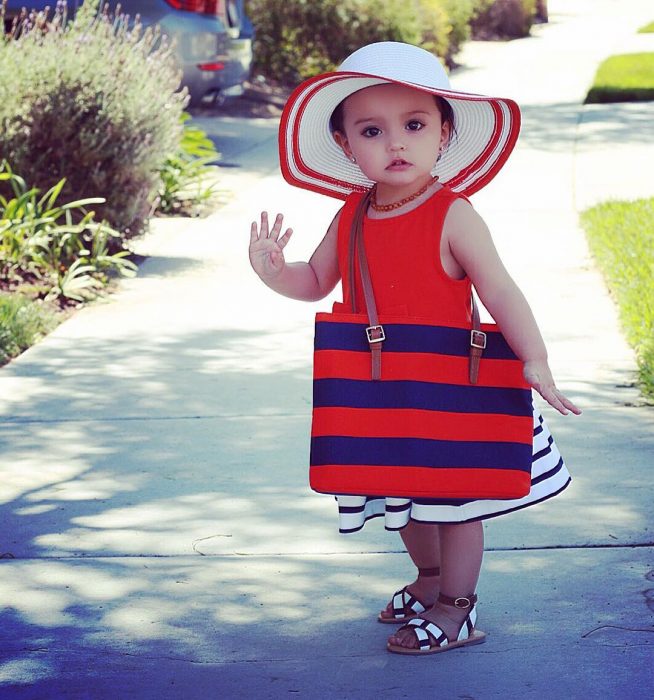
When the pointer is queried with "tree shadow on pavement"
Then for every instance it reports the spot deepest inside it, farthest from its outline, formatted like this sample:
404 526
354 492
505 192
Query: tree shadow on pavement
155 499
551 127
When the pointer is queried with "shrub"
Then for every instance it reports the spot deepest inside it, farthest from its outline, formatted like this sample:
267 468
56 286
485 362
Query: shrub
504 19
95 103
460 14
42 249
542 13
296 39
22 323
184 184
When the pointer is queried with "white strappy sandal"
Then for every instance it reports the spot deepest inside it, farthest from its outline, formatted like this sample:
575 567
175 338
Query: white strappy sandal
431 638
405 605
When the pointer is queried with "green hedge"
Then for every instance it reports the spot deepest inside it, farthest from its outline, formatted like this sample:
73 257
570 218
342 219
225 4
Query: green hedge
296 39
506 19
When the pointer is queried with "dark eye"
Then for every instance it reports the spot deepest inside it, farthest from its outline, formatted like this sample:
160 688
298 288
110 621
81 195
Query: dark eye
414 125
371 131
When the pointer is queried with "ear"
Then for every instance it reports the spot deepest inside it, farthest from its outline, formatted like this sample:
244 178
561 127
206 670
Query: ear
341 140
446 132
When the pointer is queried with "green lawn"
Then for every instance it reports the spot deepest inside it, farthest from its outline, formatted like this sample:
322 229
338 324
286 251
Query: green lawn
624 78
621 239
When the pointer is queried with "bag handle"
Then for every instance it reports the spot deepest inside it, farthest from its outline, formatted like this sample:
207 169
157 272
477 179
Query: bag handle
375 331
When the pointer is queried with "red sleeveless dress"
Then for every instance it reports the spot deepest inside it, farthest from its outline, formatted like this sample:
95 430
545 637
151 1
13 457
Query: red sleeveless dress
405 262
408 279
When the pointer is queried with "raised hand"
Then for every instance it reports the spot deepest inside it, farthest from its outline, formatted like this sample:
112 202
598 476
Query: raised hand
538 375
267 246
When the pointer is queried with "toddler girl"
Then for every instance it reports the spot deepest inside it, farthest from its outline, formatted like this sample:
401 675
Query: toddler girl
388 124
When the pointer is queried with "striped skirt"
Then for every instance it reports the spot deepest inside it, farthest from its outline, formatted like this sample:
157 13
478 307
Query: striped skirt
549 476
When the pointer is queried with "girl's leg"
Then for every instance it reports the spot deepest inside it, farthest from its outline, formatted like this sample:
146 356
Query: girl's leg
461 551
422 542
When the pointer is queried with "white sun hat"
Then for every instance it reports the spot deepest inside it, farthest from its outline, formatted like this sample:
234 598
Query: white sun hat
486 127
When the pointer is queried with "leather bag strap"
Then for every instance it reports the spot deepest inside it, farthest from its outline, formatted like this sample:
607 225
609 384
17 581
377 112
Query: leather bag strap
355 233
357 252
375 331
477 344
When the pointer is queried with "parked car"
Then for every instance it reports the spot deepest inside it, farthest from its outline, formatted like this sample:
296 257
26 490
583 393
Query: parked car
213 39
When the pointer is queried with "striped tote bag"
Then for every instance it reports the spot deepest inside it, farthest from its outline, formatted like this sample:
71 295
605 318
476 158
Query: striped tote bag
410 408
421 429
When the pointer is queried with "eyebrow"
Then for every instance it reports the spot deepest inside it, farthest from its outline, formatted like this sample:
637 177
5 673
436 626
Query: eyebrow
405 115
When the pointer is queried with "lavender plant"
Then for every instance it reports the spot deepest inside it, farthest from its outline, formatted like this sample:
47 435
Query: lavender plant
95 101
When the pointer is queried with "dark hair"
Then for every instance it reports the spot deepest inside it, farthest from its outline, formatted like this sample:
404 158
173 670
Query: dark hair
444 107
336 118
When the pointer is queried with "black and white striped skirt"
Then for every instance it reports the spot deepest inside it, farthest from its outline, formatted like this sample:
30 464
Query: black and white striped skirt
549 476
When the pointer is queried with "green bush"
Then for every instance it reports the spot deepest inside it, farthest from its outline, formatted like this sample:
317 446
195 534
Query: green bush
22 323
460 14
296 39
647 29
94 102
624 78
44 250
185 176
621 239
504 19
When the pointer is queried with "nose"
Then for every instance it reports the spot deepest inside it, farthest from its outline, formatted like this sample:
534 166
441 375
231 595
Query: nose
396 142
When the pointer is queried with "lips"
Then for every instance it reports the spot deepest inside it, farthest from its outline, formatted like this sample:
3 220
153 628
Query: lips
398 164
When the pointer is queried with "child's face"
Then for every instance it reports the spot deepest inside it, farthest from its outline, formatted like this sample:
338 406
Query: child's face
394 132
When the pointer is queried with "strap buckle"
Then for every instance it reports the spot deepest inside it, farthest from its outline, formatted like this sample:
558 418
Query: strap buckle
478 339
375 334
462 603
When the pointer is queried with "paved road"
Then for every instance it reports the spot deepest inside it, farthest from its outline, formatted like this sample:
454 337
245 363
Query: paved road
154 497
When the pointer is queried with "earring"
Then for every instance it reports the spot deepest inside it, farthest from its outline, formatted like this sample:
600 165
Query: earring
353 159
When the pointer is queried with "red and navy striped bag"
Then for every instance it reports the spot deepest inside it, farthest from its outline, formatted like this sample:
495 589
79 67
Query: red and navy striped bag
405 407
422 429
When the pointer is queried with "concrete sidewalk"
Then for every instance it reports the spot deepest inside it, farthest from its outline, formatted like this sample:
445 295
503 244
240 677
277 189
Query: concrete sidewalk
164 541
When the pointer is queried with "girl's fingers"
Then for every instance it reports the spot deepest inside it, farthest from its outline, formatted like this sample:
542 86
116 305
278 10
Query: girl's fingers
277 227
254 232
281 242
264 224
565 401
560 402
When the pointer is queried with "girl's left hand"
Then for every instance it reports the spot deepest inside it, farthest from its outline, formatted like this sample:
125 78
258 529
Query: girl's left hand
538 375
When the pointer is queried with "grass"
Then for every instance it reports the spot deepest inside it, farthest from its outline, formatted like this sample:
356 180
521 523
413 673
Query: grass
624 78
647 29
621 239
22 324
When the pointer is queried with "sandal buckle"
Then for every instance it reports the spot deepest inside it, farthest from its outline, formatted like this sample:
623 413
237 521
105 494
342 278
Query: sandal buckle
462 603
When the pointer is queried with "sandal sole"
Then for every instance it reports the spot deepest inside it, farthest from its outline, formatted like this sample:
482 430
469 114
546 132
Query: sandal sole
477 637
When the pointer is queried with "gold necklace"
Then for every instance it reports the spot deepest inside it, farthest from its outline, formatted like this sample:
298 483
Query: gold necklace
400 202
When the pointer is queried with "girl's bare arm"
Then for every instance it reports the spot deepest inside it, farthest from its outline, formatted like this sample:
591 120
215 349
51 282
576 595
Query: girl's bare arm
473 249
307 281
